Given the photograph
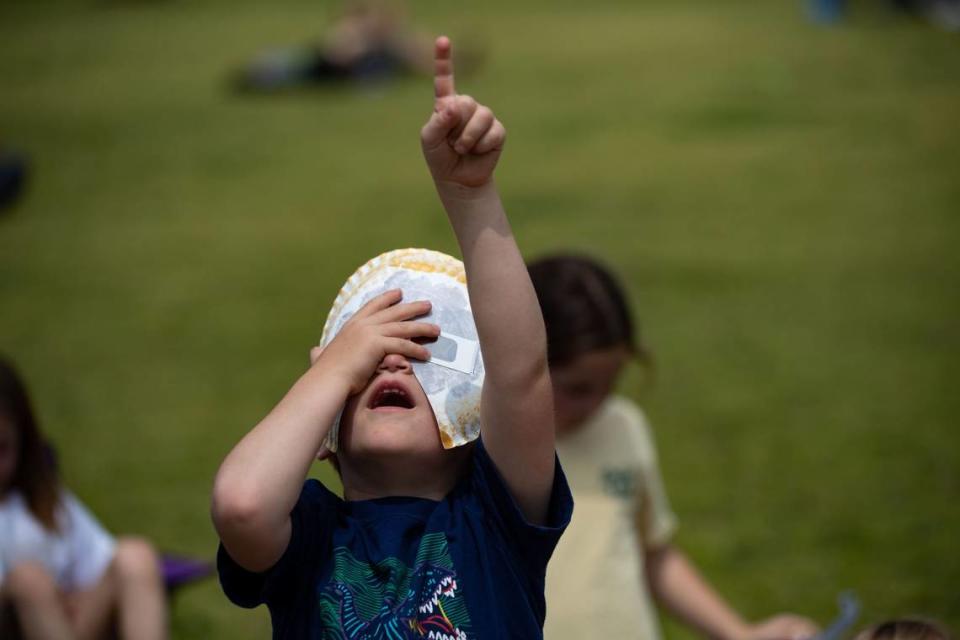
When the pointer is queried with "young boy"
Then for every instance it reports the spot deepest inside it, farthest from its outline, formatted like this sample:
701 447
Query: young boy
428 542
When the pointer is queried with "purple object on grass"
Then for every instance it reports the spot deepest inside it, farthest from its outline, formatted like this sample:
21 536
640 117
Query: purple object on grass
179 570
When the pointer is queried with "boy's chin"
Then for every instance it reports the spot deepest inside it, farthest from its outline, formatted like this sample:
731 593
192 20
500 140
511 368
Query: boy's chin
392 448
396 440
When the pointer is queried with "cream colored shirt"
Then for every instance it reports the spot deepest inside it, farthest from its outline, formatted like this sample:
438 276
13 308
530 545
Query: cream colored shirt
595 580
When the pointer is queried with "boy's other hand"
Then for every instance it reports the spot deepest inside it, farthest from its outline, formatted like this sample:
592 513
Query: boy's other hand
463 140
381 327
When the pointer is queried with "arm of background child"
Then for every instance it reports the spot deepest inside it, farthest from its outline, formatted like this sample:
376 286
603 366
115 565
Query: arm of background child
680 588
462 142
260 480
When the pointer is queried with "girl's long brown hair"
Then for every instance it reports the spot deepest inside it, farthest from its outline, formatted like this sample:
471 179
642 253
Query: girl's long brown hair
34 476
584 308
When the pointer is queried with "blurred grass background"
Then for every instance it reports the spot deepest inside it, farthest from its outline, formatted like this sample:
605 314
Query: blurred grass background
782 200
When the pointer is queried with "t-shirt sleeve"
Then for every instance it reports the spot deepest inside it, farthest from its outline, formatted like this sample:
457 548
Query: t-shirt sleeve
660 523
311 522
534 544
655 517
91 547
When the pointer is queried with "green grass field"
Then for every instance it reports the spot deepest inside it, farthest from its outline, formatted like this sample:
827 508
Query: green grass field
783 201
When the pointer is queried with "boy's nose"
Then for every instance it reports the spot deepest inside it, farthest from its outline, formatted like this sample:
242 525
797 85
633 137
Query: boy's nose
394 362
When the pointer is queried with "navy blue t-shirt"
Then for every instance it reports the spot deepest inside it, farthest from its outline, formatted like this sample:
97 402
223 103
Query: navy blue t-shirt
468 566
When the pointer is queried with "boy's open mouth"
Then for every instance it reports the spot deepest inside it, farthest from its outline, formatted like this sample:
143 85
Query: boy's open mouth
390 395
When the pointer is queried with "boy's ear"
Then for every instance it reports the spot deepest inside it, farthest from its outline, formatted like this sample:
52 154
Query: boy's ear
330 456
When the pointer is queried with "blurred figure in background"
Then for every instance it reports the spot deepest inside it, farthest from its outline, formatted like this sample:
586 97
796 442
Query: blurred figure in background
905 629
13 176
944 14
61 574
370 40
618 549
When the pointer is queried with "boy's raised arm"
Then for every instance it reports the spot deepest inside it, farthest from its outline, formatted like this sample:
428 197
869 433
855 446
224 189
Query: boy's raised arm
462 143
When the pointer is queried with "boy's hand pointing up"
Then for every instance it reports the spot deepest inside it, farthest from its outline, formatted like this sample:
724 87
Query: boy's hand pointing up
462 140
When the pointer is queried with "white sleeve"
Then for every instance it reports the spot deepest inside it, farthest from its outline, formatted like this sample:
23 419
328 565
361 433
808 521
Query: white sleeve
91 547
655 517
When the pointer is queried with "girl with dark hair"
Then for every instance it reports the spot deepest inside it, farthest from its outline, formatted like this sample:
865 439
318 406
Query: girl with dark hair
61 574
618 548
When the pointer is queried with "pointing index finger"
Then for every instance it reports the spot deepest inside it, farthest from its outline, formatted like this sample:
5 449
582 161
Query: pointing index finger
443 69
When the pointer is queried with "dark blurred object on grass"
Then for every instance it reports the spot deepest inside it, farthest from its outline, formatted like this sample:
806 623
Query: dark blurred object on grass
943 14
13 177
369 41
182 570
826 11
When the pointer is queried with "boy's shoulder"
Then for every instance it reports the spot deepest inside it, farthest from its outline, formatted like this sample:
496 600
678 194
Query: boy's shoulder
313 490
314 495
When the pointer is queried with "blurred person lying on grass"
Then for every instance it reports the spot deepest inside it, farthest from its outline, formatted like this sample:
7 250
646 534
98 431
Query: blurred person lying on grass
618 549
62 575
427 541
368 41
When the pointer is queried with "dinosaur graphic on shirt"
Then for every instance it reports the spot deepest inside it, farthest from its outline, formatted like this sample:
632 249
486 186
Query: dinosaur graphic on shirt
419 615
364 601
